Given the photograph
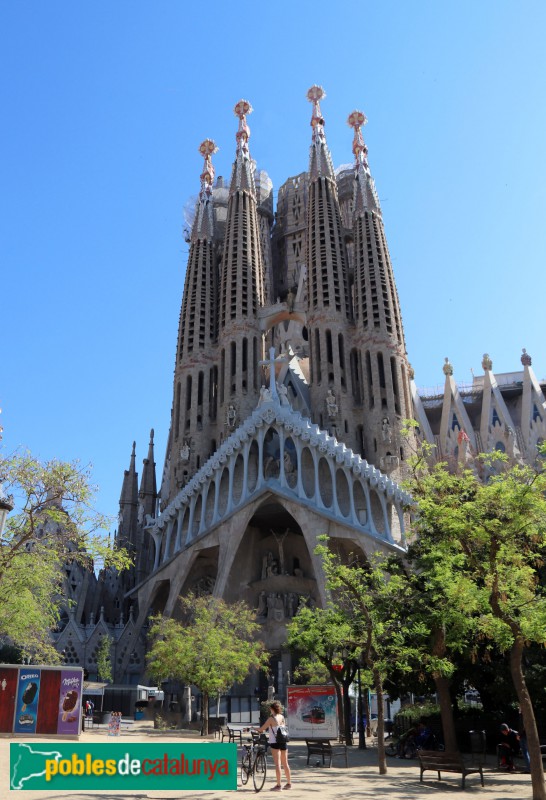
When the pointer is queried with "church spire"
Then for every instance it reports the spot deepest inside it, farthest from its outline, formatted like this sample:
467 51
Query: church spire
242 285
129 489
203 224
128 502
242 175
148 486
147 506
382 369
320 161
196 371
365 194
329 300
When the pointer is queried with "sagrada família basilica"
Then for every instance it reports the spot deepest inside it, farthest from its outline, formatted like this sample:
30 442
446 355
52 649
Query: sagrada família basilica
291 385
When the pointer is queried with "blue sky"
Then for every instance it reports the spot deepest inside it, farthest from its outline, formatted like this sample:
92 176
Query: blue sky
104 105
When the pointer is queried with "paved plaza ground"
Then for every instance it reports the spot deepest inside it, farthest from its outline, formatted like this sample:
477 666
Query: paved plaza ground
361 780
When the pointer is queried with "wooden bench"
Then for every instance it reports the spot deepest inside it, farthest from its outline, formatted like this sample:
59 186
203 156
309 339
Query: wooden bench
325 747
224 733
231 734
446 762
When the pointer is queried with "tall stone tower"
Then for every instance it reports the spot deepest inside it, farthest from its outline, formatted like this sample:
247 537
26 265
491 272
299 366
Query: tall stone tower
379 365
195 401
241 286
330 312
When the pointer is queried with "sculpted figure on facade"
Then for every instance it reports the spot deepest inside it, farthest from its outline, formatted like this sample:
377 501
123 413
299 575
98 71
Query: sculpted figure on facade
231 416
283 394
269 566
291 604
185 451
278 608
331 404
288 465
386 431
290 298
261 611
265 395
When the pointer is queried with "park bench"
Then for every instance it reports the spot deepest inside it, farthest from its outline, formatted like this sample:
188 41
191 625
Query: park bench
231 734
326 748
446 762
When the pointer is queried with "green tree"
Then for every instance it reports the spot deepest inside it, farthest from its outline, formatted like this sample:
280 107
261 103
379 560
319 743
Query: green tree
213 648
486 531
373 597
310 670
326 636
104 662
53 523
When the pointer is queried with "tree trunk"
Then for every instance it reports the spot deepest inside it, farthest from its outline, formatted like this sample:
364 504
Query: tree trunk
529 721
380 723
347 714
205 726
442 690
446 711
340 710
366 700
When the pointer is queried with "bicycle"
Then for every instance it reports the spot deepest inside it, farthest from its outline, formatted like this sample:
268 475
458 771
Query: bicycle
254 761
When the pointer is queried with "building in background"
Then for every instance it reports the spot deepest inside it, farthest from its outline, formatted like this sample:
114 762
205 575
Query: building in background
291 385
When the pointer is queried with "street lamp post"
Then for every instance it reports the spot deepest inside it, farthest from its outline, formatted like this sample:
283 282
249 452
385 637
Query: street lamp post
361 732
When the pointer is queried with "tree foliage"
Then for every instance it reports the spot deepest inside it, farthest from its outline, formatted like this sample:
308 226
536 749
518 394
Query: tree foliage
481 534
213 648
324 636
373 596
104 663
52 525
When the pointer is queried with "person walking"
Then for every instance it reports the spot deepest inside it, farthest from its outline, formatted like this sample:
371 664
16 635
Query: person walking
279 751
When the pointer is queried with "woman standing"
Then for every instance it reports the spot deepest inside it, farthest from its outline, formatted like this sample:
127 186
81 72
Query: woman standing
279 751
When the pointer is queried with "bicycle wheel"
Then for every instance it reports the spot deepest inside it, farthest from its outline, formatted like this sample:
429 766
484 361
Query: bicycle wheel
260 771
246 767
391 749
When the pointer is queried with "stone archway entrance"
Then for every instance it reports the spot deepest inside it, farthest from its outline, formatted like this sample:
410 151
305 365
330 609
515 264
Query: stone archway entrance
273 573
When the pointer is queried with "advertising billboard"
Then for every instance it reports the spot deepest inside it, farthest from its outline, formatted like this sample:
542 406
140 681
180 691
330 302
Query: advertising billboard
40 700
312 712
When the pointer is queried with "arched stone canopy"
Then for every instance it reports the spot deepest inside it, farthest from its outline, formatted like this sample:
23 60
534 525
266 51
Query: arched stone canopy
277 471
277 449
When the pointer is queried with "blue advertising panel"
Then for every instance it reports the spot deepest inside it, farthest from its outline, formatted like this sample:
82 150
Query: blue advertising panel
26 706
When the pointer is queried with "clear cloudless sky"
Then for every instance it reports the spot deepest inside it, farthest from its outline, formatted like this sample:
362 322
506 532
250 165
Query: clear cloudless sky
103 107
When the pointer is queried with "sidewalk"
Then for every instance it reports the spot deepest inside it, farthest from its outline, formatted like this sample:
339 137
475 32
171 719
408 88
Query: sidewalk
360 781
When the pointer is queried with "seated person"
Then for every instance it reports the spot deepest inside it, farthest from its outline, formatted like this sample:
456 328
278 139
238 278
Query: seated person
417 738
508 747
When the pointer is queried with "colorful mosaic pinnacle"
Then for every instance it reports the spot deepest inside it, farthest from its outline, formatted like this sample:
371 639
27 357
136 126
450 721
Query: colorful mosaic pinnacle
241 109
207 148
356 120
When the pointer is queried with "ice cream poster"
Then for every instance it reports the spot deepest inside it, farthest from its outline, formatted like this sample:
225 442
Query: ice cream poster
26 707
312 712
70 700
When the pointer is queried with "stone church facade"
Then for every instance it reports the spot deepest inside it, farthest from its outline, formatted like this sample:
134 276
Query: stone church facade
291 385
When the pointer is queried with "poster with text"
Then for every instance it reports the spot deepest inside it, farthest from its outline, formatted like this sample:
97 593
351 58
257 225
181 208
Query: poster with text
70 702
312 712
26 707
